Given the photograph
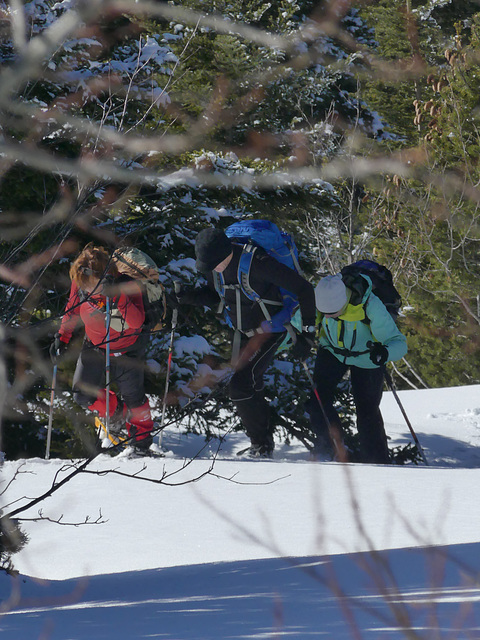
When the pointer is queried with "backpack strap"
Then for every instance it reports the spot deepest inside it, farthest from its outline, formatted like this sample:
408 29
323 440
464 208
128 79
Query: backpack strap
220 287
289 243
343 351
243 273
244 286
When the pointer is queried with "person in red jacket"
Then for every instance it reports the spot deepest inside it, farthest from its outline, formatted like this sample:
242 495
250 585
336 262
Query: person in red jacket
94 277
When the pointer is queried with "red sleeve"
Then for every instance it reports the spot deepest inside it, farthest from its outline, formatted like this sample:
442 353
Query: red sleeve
131 308
71 315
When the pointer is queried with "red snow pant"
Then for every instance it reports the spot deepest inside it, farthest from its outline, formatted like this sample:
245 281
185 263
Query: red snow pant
127 372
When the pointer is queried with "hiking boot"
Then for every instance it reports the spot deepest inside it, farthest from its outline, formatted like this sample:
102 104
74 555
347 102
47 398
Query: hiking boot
117 426
260 451
322 449
142 447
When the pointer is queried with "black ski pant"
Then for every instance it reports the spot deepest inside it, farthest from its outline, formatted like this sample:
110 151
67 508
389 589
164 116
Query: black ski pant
367 389
126 371
246 389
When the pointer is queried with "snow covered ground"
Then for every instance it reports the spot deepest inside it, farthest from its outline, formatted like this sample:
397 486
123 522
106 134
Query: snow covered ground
258 549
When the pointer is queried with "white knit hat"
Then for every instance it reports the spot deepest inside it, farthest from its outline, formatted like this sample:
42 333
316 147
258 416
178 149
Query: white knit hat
331 294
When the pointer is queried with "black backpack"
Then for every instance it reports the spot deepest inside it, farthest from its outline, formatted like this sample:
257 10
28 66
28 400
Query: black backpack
382 284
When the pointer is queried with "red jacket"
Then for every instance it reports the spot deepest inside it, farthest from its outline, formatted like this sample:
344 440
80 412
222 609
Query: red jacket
127 318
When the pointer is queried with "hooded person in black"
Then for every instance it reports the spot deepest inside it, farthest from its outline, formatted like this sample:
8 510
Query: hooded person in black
256 338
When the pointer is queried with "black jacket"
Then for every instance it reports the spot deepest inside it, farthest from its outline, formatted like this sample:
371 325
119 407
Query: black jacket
266 276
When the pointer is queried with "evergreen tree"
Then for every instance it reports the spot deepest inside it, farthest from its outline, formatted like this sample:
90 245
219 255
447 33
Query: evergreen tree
427 226
90 90
226 122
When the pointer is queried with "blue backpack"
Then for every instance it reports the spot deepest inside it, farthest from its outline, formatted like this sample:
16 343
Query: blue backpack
278 244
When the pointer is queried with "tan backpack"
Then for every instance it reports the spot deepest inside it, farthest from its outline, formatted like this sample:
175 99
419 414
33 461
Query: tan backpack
139 266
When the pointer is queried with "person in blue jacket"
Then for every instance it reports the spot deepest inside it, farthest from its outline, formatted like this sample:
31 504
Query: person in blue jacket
358 333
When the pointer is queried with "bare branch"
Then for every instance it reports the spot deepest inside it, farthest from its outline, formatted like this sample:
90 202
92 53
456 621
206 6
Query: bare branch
60 520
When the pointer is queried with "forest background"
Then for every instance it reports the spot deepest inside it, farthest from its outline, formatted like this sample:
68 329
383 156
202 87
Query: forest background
353 125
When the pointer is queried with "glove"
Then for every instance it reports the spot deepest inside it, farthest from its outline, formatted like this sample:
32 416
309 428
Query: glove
172 301
57 348
265 327
303 346
378 353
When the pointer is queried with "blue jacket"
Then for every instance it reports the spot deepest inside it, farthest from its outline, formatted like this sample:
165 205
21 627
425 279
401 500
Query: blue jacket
347 336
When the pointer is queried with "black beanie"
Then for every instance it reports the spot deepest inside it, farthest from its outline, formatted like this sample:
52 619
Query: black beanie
212 246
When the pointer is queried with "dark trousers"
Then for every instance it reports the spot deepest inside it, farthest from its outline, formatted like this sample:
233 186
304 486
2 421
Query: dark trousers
367 389
126 371
246 388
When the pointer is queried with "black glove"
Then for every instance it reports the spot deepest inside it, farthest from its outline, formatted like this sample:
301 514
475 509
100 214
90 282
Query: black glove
171 300
174 300
303 346
57 348
378 353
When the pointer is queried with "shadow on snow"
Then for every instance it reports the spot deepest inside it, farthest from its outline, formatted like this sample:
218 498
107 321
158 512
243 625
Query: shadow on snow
300 598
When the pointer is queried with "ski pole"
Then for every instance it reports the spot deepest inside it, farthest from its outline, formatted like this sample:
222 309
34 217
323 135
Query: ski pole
389 380
169 362
107 367
334 432
50 416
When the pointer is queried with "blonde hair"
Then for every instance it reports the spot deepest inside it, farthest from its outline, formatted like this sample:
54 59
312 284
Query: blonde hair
92 265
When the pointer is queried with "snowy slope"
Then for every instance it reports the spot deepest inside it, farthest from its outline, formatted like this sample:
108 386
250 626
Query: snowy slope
259 549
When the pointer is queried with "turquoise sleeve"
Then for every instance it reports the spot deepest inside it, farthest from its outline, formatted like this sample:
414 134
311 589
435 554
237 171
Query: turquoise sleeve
384 329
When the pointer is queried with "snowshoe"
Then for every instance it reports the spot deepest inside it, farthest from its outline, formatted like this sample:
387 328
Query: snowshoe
109 438
257 451
132 452
322 450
